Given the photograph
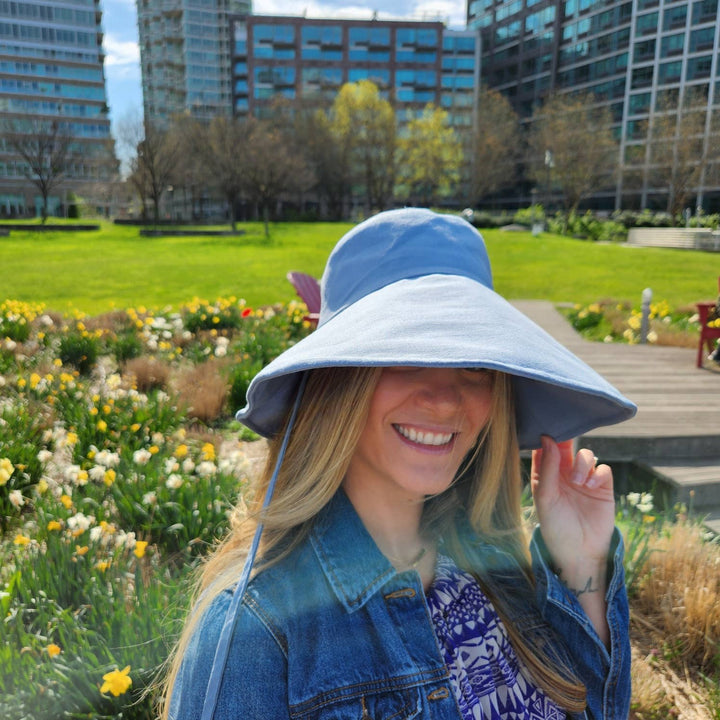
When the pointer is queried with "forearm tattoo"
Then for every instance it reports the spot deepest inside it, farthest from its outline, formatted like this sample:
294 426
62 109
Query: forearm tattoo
577 592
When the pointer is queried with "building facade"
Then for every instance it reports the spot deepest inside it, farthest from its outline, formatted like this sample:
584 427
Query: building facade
52 80
185 57
412 63
635 56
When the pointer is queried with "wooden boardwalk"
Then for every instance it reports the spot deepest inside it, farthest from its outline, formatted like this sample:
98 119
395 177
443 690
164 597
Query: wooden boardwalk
676 432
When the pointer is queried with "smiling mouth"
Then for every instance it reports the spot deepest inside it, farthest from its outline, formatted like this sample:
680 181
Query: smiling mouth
424 437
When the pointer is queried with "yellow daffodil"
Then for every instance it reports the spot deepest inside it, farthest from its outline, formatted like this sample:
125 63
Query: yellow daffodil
66 500
54 525
101 426
117 682
102 565
21 540
140 547
53 650
109 477
181 451
6 470
81 550
208 451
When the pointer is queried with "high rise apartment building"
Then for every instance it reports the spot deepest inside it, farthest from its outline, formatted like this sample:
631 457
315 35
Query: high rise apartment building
412 63
185 57
633 55
51 70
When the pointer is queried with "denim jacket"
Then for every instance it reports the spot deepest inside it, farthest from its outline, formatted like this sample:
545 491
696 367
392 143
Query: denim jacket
334 632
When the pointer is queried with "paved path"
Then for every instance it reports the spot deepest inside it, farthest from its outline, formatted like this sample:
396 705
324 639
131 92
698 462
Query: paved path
676 432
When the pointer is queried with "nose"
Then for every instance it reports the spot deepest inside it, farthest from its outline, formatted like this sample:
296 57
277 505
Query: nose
440 389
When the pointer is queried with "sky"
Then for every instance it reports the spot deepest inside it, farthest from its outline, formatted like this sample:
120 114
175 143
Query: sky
122 60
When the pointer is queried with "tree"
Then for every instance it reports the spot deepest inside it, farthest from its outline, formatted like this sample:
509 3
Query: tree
676 136
429 157
269 166
45 148
364 125
225 138
156 154
496 144
572 147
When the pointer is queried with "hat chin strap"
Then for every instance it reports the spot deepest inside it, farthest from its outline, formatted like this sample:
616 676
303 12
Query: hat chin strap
223 647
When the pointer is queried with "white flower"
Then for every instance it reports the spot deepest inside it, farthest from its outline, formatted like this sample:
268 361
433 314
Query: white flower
646 503
171 465
652 336
80 521
174 481
206 469
633 498
97 472
188 465
46 320
149 498
10 344
16 498
221 351
44 456
142 456
107 458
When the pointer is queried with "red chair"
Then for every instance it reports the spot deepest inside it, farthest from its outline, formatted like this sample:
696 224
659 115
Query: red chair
707 334
308 288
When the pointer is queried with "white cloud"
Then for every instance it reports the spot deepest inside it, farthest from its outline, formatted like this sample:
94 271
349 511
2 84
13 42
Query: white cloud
121 52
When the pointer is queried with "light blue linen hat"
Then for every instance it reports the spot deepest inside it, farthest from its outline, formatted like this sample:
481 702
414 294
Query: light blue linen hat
413 287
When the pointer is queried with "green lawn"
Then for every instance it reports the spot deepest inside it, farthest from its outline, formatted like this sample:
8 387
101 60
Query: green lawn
115 267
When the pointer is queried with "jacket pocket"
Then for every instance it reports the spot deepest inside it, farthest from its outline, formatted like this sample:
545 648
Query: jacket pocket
388 705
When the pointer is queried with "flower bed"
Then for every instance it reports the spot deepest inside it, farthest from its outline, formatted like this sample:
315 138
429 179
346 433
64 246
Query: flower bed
117 473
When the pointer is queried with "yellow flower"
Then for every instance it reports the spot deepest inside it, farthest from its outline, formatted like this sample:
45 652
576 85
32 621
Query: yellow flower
101 425
153 449
42 486
54 525
140 547
93 411
21 540
34 381
109 477
6 470
66 500
57 362
117 682
135 427
181 451
208 451
81 550
71 438
53 650
102 565
21 383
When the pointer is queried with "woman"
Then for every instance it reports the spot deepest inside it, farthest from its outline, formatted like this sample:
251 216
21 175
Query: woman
393 578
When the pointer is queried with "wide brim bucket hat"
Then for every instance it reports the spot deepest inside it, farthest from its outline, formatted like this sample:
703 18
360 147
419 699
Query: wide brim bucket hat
414 287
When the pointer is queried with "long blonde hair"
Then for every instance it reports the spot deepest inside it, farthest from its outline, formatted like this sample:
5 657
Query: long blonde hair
330 418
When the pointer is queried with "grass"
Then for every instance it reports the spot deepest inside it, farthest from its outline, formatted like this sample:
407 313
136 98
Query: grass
115 267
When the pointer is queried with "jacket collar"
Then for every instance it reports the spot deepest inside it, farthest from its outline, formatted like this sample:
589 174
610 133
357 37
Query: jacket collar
351 561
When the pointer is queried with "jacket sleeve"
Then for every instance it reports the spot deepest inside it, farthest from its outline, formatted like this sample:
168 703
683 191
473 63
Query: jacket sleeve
606 674
254 682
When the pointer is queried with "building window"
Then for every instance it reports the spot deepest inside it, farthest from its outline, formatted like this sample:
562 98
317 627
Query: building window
672 45
644 50
702 39
674 17
704 11
641 77
639 104
646 24
669 72
698 68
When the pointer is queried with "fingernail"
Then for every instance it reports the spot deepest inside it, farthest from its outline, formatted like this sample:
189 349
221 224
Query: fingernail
577 478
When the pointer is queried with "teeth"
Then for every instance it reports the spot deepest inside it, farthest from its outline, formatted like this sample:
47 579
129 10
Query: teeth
424 438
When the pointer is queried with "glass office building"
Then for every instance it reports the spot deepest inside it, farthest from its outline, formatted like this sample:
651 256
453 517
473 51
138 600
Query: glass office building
51 69
185 57
635 56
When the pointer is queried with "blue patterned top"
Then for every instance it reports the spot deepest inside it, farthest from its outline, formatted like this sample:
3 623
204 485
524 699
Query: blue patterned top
485 671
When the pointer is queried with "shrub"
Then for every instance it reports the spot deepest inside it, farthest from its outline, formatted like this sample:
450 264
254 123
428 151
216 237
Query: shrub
203 390
79 349
148 373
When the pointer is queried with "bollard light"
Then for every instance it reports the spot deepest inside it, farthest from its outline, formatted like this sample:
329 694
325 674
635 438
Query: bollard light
645 321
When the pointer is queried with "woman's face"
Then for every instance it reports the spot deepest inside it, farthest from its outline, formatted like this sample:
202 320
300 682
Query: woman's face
422 422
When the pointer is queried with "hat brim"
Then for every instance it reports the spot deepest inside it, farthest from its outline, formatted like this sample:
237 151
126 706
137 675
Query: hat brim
447 321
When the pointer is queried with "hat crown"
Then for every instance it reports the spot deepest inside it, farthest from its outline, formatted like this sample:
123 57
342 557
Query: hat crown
399 245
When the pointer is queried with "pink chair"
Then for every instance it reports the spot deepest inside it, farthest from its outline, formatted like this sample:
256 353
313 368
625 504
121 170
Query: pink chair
707 334
308 288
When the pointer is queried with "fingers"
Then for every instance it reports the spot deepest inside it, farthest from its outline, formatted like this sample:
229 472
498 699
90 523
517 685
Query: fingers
555 461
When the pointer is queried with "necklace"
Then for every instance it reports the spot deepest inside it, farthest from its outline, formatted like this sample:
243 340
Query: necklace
401 566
